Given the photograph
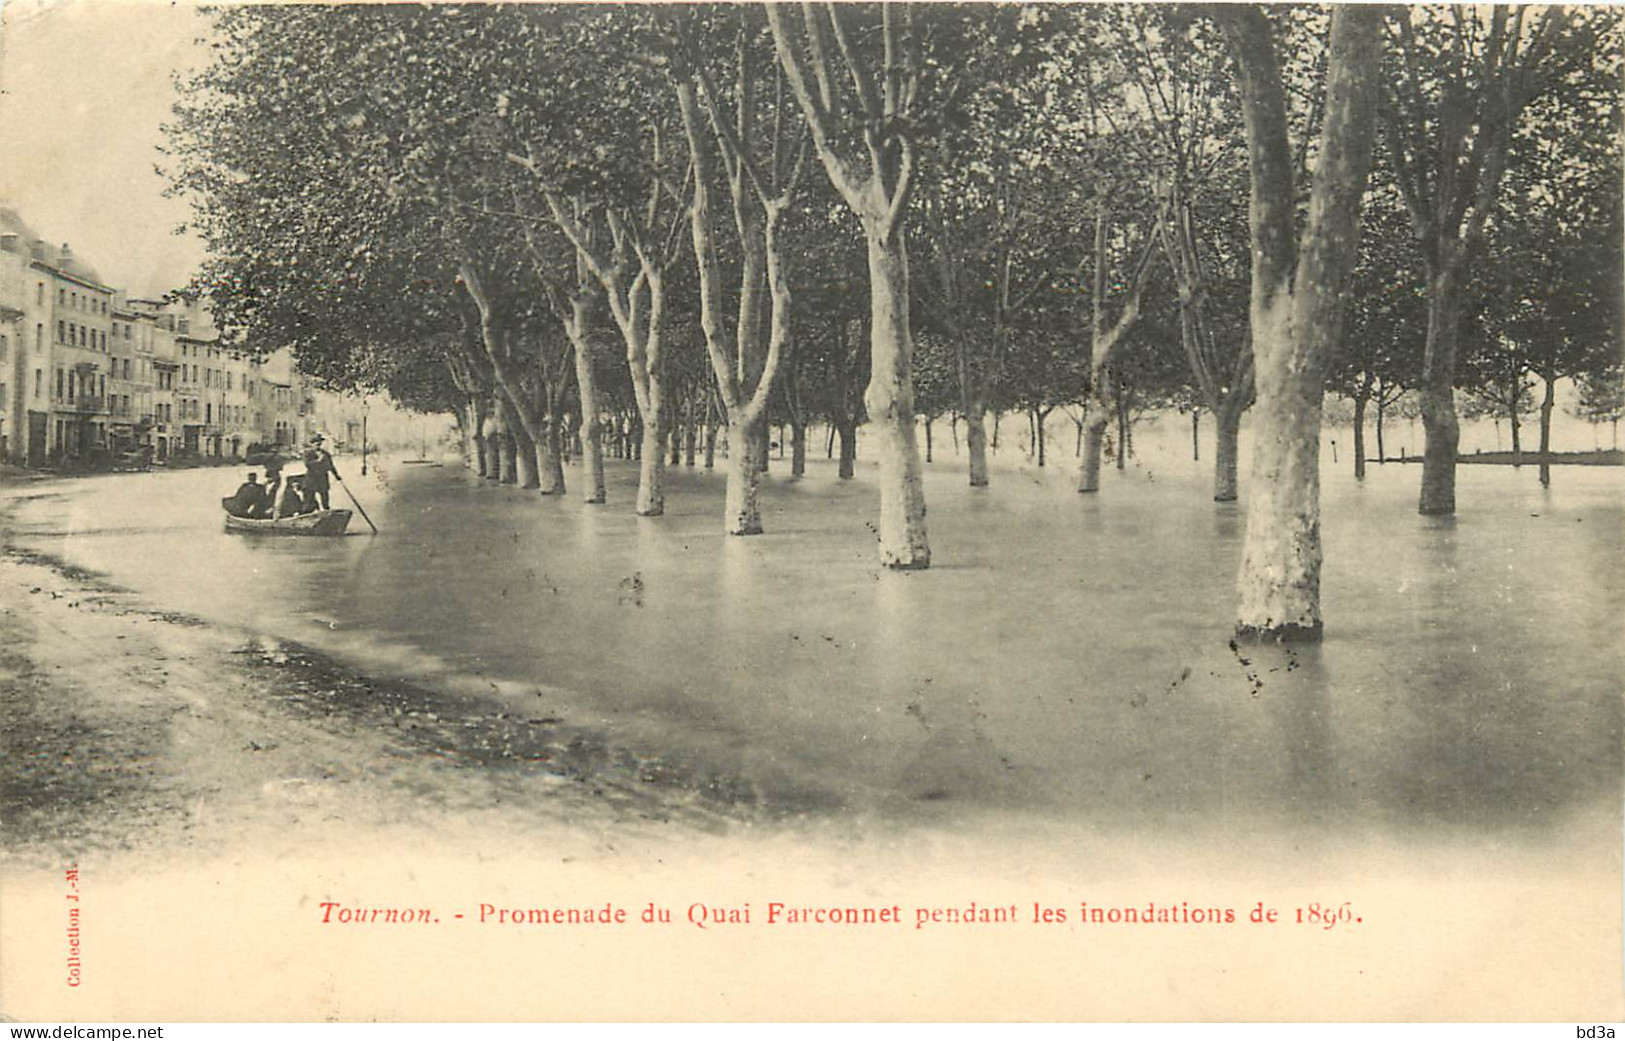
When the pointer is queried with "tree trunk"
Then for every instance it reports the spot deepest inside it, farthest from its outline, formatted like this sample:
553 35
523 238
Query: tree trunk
1546 403
742 514
691 435
592 441
1122 432
976 443
890 404
1227 430
1359 436
652 466
1517 439
1295 304
1281 554
928 446
1196 435
523 449
493 446
550 457
761 448
798 448
1094 439
829 441
508 450
1439 425
468 424
953 432
997 415
1382 453
848 431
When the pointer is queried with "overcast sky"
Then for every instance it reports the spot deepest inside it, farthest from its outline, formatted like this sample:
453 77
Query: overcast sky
87 84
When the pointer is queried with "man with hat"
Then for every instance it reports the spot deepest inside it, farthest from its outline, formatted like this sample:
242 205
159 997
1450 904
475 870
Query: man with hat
250 500
318 466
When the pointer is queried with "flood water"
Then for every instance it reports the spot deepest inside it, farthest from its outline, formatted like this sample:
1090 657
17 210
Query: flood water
1066 657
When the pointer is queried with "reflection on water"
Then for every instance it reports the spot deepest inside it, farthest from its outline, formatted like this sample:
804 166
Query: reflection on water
1071 654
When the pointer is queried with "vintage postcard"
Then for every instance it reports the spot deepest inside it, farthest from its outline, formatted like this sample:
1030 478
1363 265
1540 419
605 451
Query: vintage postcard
911 512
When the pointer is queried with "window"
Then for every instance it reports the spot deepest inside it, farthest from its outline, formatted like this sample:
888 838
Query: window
39 336
75 299
39 380
61 331
3 345
39 293
70 386
61 297
126 330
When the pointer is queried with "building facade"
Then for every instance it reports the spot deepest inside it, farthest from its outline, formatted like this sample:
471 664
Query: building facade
89 375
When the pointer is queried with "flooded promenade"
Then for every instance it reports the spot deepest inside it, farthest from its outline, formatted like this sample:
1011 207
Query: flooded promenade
1067 658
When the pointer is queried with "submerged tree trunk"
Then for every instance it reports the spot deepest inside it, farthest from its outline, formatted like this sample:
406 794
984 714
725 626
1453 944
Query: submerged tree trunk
1122 433
1094 440
890 405
1359 436
1546 403
651 465
524 449
493 446
742 513
1381 451
1281 556
592 438
1228 428
550 457
1295 311
976 443
848 431
1440 428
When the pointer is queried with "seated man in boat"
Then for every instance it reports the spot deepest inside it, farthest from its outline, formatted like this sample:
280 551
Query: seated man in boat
250 500
273 485
294 501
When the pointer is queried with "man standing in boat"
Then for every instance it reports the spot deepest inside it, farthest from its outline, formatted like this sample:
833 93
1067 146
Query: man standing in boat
318 466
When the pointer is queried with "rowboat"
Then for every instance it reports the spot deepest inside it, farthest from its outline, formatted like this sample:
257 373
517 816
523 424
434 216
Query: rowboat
322 522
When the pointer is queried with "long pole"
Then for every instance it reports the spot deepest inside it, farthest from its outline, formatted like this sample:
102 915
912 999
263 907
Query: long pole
359 508
363 444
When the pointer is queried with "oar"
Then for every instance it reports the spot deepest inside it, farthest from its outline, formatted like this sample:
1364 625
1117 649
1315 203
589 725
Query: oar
358 505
